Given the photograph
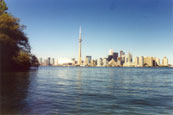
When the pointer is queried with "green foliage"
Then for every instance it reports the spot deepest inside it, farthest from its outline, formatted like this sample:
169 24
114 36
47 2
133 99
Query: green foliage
34 61
22 61
14 45
3 7
12 31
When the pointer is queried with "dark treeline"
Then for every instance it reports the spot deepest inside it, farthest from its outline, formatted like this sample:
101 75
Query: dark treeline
15 51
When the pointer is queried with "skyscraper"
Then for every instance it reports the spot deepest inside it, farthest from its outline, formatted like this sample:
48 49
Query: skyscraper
129 57
141 61
136 61
52 61
99 62
110 57
165 61
148 61
111 51
121 53
88 60
157 62
48 61
115 56
105 62
80 41
40 61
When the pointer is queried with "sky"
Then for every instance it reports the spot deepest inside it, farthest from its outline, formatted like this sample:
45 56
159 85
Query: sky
142 27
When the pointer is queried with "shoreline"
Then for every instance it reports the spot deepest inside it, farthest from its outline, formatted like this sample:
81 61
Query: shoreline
111 66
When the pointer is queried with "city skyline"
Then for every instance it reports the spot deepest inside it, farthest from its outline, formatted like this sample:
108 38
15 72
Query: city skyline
113 59
141 27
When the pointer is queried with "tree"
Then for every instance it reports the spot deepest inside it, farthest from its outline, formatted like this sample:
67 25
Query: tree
22 61
14 45
34 61
3 7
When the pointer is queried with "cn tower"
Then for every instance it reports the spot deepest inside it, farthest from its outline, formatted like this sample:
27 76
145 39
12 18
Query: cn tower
80 41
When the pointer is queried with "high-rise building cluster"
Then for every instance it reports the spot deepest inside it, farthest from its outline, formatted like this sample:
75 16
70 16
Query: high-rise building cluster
122 60
47 62
112 60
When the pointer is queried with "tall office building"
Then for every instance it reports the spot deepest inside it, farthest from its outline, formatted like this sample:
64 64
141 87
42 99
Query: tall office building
129 57
99 62
56 62
73 61
154 61
148 61
111 51
136 61
157 62
119 61
141 61
88 60
115 56
121 53
110 57
40 61
128 60
105 62
79 53
48 61
165 61
123 59
92 62
52 61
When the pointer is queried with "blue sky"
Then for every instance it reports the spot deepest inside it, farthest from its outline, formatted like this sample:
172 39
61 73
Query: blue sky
143 27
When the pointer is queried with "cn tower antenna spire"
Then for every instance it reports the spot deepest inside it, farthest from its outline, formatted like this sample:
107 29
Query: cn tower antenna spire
80 30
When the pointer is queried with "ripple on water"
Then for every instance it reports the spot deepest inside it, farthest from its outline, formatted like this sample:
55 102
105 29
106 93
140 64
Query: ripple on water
76 90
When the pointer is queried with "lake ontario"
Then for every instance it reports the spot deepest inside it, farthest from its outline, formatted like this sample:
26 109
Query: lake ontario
88 91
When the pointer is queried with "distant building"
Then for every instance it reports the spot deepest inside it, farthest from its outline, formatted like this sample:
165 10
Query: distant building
74 62
88 60
40 61
128 60
56 62
93 62
115 56
99 62
154 61
45 63
111 51
136 61
122 53
165 61
119 60
130 57
148 61
110 57
105 62
141 61
157 62
123 59
113 63
52 61
48 61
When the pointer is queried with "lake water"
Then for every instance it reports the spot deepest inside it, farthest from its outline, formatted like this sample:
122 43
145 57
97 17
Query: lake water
88 91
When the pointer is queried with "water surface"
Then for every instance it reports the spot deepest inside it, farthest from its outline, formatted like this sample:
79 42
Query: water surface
88 91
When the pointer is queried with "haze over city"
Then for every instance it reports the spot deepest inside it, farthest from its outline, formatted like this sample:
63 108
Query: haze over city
142 27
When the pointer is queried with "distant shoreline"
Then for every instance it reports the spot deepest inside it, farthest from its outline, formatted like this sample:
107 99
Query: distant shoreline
111 67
